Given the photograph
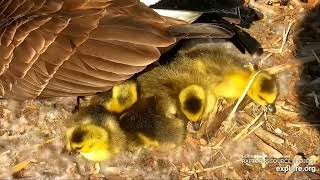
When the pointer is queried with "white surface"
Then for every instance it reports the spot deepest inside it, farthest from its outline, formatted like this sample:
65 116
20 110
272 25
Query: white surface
188 16
149 2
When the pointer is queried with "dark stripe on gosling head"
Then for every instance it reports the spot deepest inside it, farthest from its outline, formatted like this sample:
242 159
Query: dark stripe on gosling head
267 85
78 135
193 104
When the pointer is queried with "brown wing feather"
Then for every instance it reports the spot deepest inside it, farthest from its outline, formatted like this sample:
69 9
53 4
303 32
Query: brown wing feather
75 47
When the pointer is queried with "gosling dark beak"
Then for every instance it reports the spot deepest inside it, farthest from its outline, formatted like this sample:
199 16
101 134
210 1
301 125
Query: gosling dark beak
73 152
196 125
272 108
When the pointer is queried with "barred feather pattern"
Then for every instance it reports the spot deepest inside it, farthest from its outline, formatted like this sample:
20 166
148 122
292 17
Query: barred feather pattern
54 48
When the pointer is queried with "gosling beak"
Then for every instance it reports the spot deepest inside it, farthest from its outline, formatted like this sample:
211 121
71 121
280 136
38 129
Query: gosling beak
73 152
272 108
196 125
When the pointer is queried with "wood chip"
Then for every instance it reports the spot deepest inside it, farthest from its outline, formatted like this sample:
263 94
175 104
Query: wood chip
243 132
280 68
278 131
252 130
271 151
20 166
5 152
300 125
268 136
265 58
285 36
262 133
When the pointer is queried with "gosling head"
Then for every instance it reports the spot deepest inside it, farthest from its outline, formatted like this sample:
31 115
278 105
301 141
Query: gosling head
123 97
90 141
192 101
264 90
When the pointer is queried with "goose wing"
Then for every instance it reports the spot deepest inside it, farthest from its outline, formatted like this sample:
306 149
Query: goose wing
52 48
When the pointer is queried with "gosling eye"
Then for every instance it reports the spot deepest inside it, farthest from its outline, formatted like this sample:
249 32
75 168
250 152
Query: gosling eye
91 146
193 104
262 98
78 136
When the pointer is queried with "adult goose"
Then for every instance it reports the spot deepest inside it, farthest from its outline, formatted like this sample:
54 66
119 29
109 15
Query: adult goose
56 48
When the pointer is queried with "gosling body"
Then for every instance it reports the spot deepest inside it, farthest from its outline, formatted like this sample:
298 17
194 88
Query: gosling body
157 107
95 134
229 74
148 124
146 121
153 121
221 73
120 98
